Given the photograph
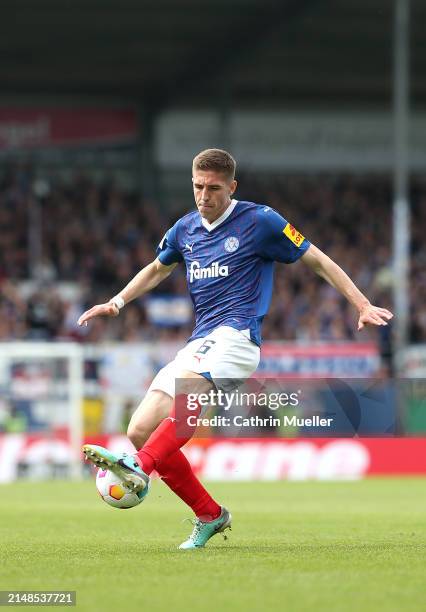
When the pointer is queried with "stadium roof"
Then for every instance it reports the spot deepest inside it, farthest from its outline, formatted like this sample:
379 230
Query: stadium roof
198 52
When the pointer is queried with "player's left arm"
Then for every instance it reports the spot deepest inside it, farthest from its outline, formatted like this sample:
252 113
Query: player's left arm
325 267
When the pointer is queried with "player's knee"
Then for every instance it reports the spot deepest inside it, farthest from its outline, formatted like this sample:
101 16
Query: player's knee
132 434
138 434
152 410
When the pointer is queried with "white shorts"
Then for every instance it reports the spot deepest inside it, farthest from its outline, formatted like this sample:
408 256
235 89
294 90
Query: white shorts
223 356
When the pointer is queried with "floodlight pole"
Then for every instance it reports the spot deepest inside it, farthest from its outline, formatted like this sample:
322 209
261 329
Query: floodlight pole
401 208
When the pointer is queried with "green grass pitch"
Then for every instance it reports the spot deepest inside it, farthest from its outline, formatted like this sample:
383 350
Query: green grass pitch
294 546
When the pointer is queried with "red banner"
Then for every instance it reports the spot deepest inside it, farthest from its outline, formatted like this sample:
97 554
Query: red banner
236 459
307 458
47 127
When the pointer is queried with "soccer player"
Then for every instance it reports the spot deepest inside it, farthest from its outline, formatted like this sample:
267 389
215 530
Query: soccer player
229 248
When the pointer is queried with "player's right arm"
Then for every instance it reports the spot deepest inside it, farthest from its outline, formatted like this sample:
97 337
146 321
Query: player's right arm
145 280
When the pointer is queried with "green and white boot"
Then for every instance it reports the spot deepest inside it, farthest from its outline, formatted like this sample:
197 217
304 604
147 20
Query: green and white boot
124 466
203 531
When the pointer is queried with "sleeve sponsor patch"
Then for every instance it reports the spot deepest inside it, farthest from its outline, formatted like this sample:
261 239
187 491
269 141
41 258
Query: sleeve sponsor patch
292 234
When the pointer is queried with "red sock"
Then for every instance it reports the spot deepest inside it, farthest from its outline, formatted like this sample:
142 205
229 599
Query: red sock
170 436
177 473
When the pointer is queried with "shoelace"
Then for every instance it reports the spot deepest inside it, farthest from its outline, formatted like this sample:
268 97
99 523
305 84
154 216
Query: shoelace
197 528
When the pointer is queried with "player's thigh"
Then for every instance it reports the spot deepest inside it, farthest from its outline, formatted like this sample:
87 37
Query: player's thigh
153 409
188 381
225 356
158 404
180 375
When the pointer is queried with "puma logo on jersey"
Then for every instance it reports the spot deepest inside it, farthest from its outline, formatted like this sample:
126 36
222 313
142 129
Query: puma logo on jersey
214 271
189 246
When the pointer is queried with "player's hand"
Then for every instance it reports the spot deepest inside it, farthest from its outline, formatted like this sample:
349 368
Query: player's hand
100 310
373 315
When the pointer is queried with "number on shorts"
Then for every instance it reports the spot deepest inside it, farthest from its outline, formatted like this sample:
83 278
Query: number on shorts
206 346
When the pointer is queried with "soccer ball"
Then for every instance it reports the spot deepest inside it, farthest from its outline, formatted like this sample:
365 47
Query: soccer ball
110 487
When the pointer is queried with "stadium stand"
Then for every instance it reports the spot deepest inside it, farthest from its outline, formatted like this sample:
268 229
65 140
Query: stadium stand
98 236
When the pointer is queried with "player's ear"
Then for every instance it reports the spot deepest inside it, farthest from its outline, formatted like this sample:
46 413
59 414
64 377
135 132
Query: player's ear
233 186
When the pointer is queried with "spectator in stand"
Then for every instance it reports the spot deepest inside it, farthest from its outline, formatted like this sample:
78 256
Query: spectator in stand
97 237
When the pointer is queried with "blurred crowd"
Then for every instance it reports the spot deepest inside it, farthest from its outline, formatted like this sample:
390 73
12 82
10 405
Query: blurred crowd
94 238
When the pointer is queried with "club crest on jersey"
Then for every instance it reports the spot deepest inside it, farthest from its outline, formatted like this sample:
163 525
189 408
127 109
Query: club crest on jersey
213 271
231 244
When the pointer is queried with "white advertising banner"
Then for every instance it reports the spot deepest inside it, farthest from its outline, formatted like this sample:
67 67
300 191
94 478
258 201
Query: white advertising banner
292 141
413 361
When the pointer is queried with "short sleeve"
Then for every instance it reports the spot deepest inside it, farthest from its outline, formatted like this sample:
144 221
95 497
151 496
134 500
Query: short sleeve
168 251
276 239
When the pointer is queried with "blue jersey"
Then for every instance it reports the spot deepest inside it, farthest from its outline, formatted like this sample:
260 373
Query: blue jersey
230 262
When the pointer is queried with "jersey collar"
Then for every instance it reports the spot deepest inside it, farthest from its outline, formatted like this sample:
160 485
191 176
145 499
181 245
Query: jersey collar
211 226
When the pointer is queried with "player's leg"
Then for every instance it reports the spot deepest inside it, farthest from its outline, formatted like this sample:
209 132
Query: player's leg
162 453
174 470
226 353
156 406
177 474
228 356
158 402
153 409
175 430
210 517
149 414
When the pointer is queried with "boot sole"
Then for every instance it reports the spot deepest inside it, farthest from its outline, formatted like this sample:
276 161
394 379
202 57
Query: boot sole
131 481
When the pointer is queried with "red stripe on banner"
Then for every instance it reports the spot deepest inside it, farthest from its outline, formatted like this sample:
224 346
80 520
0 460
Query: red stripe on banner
43 127
396 455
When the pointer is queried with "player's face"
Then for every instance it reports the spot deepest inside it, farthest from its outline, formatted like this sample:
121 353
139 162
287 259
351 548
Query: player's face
212 193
